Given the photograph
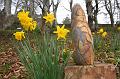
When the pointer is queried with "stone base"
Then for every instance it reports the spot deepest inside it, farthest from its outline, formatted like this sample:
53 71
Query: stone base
98 71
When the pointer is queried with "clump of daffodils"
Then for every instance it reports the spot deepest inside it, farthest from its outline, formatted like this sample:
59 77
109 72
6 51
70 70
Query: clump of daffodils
43 56
26 22
29 24
102 32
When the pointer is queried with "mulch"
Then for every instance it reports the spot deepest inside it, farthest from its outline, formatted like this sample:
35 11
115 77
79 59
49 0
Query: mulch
10 65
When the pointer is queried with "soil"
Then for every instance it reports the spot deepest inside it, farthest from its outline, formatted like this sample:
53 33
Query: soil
10 66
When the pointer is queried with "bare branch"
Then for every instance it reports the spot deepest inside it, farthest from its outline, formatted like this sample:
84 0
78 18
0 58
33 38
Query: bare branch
66 8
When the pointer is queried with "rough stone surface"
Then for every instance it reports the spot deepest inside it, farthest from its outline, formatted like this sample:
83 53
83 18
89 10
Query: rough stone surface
82 37
98 71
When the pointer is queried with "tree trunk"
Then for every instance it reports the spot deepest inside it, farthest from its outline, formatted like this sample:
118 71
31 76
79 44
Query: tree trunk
71 3
7 5
117 4
55 7
17 5
118 7
7 19
112 20
32 8
95 14
110 10
90 13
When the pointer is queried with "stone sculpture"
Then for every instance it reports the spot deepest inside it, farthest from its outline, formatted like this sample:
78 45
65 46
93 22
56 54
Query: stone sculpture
82 37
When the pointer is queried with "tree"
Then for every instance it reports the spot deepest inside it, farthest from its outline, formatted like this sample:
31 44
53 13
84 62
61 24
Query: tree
55 7
118 7
89 8
45 6
117 4
71 3
67 20
111 10
32 10
95 14
1 4
17 5
7 7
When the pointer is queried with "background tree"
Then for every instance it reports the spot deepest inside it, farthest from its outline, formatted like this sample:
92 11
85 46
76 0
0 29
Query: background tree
55 7
1 4
17 5
89 8
118 8
46 5
7 7
110 9
67 20
71 4
95 14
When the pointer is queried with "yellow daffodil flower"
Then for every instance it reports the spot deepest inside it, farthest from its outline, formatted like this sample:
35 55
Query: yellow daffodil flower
93 33
26 22
33 26
101 30
64 50
104 34
118 28
49 18
61 32
22 14
19 35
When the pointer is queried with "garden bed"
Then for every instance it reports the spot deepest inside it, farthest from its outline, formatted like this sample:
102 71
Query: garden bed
11 67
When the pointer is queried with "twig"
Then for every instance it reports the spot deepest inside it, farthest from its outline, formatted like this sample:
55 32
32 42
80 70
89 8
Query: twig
66 8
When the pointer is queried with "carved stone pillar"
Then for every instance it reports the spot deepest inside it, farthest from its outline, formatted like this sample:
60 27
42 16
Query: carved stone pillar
82 37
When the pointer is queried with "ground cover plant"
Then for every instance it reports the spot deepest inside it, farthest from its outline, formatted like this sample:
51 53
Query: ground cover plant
107 45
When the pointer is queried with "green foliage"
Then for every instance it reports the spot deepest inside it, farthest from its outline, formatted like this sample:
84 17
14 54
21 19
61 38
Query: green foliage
42 55
67 20
107 49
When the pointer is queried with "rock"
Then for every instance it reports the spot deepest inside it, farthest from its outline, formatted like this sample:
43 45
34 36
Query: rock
98 71
82 37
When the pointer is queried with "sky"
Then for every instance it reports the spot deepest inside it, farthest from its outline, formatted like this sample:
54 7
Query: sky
62 13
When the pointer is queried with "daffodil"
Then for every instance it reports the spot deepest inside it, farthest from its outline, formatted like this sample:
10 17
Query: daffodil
104 34
118 28
49 18
22 15
33 25
64 50
61 32
19 35
26 22
101 30
93 33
